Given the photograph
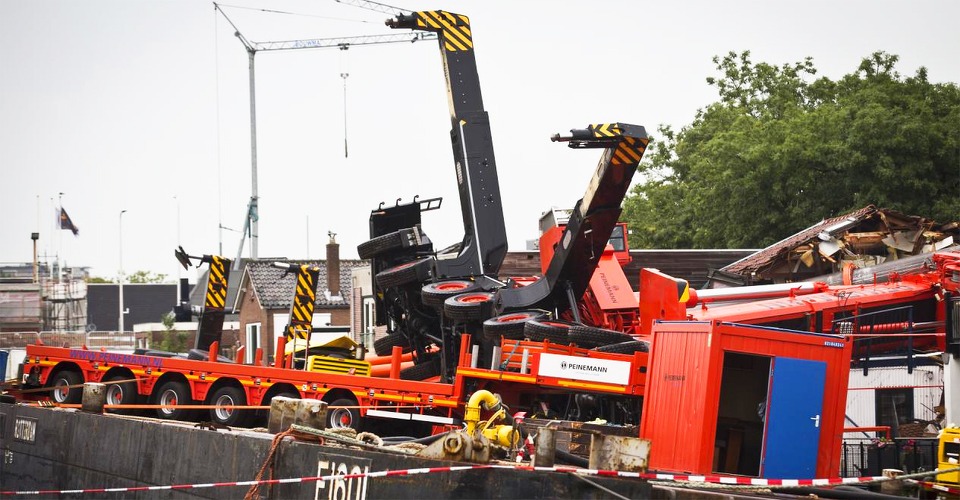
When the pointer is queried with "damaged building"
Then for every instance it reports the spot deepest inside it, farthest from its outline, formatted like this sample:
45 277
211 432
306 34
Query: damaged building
864 238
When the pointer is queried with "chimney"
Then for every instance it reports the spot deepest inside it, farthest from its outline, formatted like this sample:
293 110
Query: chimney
333 265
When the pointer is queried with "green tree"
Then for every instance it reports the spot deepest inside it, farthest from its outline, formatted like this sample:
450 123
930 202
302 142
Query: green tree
782 149
146 277
172 340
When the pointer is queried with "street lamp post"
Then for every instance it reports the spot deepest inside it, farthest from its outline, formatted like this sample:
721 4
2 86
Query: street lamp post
121 272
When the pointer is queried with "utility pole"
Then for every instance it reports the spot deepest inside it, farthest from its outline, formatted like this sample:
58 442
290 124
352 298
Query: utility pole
120 277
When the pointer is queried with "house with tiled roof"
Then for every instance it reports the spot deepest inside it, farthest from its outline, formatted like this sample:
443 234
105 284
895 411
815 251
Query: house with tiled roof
266 292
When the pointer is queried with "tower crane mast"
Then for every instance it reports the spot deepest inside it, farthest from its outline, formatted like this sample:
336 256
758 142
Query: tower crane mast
250 225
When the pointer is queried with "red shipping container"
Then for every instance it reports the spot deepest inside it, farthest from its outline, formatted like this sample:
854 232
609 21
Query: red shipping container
745 400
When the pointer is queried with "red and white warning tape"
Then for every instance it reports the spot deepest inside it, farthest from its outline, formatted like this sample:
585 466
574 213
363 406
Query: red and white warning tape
430 470
940 487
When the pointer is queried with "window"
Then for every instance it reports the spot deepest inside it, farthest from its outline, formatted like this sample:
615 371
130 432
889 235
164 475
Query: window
252 342
894 406
617 239
369 308
322 319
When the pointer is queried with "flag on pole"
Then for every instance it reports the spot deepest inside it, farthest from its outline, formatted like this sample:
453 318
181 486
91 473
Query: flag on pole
66 223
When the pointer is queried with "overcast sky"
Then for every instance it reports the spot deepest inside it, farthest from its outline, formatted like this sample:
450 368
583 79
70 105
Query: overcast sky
144 107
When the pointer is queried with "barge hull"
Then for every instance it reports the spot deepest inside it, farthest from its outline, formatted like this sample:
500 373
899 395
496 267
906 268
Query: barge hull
54 449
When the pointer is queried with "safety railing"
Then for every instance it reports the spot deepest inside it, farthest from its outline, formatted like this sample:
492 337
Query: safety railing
868 457
93 340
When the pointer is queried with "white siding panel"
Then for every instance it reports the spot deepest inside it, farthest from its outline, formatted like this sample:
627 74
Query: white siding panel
927 382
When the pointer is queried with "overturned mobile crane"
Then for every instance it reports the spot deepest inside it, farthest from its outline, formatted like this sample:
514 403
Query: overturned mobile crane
427 297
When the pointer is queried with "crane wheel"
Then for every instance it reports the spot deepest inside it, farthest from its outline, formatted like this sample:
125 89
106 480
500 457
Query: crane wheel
589 337
509 325
422 371
433 294
415 271
469 306
384 243
628 347
383 346
547 329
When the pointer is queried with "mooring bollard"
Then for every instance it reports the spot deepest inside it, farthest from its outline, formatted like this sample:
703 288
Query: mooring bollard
282 413
623 453
285 411
94 397
311 413
894 486
545 447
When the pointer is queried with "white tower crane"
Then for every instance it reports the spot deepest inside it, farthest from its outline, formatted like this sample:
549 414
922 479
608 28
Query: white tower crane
250 225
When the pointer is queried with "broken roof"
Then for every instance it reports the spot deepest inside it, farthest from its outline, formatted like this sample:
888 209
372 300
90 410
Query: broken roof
865 237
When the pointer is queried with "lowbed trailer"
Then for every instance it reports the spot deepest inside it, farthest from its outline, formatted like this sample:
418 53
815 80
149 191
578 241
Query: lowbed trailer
527 373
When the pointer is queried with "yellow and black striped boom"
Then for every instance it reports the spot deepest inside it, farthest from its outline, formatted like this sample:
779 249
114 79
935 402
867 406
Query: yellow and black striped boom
592 221
484 243
304 299
210 323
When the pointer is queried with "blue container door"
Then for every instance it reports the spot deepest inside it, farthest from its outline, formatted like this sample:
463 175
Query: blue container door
793 419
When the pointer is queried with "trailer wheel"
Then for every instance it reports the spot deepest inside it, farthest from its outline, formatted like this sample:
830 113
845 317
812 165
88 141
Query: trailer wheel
628 347
121 393
509 325
548 329
67 387
173 392
433 294
229 396
342 414
383 346
468 306
590 336
422 371
409 272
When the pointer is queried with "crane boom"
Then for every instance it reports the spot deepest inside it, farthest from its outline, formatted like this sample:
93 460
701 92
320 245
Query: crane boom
341 42
484 243
376 7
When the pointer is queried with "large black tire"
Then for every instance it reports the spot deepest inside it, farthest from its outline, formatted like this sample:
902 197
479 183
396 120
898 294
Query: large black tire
121 393
383 243
173 392
422 371
548 329
509 325
433 294
415 271
232 417
410 237
67 387
469 306
383 346
629 347
589 337
343 413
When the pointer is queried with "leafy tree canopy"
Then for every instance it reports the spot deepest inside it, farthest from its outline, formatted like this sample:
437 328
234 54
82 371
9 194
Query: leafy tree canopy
146 277
137 277
782 150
